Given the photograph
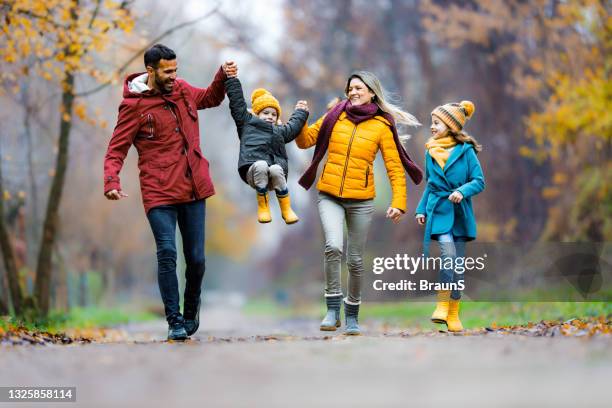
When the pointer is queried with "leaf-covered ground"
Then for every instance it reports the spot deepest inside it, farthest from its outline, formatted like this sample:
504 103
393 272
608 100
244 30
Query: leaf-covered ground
245 360
584 327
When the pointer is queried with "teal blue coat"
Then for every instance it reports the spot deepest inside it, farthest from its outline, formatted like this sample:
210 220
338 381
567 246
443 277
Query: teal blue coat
462 173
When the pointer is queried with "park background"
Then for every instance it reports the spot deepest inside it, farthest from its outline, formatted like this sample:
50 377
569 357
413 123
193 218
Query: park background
538 73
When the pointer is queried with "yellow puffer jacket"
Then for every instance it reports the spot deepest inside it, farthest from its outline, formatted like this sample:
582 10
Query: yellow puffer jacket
348 171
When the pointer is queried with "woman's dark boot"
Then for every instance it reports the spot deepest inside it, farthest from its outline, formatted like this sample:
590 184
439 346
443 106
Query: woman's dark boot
351 314
332 319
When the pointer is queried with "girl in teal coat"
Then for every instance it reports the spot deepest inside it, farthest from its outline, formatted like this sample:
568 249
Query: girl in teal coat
454 176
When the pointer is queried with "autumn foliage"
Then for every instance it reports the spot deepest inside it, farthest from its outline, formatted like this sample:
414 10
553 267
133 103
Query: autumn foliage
54 40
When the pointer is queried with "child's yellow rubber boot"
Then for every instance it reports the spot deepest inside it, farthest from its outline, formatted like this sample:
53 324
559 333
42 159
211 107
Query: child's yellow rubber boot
285 205
263 208
441 313
452 322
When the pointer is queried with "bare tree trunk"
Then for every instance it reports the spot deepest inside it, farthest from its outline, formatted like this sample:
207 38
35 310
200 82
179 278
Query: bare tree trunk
8 255
34 223
49 234
4 294
3 308
61 282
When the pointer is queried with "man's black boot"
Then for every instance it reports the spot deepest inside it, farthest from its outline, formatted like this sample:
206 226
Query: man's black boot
192 318
176 329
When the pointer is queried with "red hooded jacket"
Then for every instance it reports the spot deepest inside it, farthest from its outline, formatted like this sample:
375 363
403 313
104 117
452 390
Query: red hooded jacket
164 128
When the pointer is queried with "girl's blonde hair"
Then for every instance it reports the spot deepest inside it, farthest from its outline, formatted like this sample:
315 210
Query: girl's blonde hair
463 137
381 98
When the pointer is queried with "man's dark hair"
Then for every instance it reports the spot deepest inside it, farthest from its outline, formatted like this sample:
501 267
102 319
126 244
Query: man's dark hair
156 53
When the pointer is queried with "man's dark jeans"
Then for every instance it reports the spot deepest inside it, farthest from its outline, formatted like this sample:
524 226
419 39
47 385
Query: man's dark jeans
190 217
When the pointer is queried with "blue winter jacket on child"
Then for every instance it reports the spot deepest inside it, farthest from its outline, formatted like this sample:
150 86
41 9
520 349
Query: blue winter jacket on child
462 173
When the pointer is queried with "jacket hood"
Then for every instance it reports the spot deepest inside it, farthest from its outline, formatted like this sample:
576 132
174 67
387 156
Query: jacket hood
138 83
135 84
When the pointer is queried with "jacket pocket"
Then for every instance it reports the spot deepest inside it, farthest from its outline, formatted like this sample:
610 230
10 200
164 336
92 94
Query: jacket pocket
367 176
162 169
255 143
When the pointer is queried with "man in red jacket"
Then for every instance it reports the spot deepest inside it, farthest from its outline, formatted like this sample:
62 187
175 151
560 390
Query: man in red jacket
159 116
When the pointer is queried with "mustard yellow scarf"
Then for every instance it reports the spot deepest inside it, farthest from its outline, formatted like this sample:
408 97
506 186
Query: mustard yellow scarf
437 148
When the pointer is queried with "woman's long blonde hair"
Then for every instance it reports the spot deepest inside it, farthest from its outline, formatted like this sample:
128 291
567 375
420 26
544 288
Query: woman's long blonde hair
381 98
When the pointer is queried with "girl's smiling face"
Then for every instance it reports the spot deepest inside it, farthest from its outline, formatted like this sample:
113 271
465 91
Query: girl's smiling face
438 128
358 92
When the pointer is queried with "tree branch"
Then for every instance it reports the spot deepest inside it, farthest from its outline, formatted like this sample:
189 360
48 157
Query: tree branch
169 31
242 42
95 13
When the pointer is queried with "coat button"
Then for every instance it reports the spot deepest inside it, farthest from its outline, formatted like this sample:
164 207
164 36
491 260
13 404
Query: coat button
176 129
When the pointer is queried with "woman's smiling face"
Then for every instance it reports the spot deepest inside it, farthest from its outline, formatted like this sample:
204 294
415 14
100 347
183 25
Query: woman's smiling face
358 92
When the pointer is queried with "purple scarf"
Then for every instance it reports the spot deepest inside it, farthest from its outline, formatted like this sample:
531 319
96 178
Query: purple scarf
355 114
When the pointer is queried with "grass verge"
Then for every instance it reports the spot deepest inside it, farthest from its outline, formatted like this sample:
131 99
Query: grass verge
416 314
80 318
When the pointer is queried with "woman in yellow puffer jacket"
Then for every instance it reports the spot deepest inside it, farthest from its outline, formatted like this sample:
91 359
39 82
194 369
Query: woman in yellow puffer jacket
351 134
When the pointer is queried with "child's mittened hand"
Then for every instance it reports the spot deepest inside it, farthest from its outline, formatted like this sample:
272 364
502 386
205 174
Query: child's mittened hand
302 105
420 218
231 69
456 197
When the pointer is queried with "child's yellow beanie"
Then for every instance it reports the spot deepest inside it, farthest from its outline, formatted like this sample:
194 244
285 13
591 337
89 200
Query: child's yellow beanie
262 99
454 115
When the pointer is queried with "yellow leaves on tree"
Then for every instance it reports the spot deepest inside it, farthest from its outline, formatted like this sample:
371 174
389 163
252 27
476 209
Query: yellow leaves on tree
559 54
51 37
579 109
81 111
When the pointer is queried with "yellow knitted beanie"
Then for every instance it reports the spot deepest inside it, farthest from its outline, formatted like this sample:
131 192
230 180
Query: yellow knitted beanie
262 99
454 115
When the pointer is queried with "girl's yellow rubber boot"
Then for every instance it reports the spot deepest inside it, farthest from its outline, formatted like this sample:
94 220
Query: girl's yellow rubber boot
441 313
452 322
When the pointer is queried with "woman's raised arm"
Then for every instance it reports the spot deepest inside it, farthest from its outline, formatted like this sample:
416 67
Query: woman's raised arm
309 134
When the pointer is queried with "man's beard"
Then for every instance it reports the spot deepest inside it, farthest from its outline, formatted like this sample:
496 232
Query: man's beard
161 85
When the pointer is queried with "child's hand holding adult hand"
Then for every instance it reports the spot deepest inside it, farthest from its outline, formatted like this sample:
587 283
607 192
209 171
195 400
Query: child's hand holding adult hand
456 197
231 69
395 214
420 218
302 105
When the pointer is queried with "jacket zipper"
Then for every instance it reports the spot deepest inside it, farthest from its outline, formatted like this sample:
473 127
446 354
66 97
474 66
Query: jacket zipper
150 122
367 175
186 148
348 154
